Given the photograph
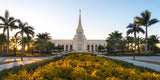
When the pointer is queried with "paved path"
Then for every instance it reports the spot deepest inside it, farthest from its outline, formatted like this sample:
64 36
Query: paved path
27 60
138 63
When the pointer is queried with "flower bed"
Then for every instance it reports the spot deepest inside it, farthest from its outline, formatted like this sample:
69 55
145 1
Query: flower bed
83 67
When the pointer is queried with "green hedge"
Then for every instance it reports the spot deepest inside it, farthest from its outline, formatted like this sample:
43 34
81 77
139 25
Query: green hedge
131 65
27 67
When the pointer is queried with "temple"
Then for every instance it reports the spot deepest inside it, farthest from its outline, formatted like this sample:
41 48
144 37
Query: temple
80 42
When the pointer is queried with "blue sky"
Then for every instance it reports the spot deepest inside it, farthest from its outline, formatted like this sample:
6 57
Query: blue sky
99 17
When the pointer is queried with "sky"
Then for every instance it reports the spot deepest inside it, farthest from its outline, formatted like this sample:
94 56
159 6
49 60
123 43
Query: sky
99 17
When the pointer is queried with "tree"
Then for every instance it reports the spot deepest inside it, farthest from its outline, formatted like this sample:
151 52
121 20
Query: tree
25 42
152 41
113 41
59 47
41 39
130 40
100 47
24 29
122 45
134 28
15 40
2 42
139 41
49 46
8 23
145 20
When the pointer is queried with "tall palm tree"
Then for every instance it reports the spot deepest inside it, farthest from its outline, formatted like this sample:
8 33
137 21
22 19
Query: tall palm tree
133 28
8 23
145 20
24 29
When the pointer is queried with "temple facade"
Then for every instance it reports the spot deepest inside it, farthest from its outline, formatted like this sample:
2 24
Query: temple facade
80 42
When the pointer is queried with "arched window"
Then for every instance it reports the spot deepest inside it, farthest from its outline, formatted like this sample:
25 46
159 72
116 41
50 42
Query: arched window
79 37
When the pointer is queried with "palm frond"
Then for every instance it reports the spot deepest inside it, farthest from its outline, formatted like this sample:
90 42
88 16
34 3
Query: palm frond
13 21
3 19
2 24
152 21
10 19
130 31
4 29
19 32
130 26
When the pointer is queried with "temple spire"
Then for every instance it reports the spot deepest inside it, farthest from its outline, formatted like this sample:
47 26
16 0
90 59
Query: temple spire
79 24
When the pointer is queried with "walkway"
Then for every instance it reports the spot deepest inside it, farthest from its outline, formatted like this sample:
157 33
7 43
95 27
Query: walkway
27 60
138 63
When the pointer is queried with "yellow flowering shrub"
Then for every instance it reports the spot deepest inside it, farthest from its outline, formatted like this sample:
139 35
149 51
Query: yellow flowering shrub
82 66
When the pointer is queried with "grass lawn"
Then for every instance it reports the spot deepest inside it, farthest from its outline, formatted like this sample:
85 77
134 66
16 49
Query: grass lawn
152 62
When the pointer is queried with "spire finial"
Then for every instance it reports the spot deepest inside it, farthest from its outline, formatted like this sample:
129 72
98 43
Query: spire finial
79 11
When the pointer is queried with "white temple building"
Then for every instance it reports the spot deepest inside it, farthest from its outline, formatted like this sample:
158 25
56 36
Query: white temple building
79 42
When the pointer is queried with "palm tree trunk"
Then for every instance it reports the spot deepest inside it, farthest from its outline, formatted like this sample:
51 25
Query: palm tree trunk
135 46
14 50
132 47
7 40
138 49
146 39
149 48
2 48
32 51
128 47
22 48
40 51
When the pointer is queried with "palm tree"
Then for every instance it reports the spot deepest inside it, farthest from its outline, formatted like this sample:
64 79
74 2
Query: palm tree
41 40
24 42
24 29
139 42
145 20
133 28
114 41
49 46
29 42
152 41
2 41
130 40
8 23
